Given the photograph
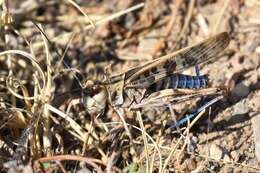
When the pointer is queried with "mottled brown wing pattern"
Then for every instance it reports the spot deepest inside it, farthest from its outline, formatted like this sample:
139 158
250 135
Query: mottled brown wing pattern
177 61
130 86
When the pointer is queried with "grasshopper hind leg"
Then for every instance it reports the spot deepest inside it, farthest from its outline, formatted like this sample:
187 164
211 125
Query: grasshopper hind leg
188 117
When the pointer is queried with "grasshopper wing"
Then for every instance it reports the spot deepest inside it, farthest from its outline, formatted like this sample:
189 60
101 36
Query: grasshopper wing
145 75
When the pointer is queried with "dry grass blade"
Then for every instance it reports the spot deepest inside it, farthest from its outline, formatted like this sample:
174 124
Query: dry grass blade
46 98
116 15
107 19
35 63
181 138
168 29
120 114
187 20
148 167
60 107
89 161
80 132
86 15
207 157
221 14
154 144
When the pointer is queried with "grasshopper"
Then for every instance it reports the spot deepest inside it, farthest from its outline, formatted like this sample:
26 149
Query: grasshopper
159 81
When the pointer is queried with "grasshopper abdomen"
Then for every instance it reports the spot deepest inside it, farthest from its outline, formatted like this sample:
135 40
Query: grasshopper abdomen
182 81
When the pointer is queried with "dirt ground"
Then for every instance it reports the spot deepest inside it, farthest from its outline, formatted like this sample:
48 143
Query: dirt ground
55 117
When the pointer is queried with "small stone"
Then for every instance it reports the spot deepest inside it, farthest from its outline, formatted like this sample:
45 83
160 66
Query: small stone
215 152
146 45
226 158
237 170
257 49
228 169
192 144
224 143
241 108
235 155
130 20
218 153
195 139
241 90
27 169
191 164
84 170
198 159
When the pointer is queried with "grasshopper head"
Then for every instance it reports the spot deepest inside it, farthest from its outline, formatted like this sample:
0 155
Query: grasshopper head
95 100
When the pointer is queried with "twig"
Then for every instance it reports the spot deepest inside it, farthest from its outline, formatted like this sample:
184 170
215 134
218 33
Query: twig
155 145
85 14
168 28
89 161
187 21
144 139
185 132
113 16
221 14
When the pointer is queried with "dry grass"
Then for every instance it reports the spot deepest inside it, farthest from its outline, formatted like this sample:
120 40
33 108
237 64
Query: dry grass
54 53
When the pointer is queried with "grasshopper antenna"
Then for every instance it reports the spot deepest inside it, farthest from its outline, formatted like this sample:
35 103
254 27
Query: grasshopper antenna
60 56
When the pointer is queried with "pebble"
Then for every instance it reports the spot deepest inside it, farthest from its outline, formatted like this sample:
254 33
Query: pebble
237 170
84 170
228 169
191 164
215 152
241 108
218 153
241 90
192 144
130 20
146 45
235 155
224 143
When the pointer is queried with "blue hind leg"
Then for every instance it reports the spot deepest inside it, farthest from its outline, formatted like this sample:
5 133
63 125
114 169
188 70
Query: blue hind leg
190 116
